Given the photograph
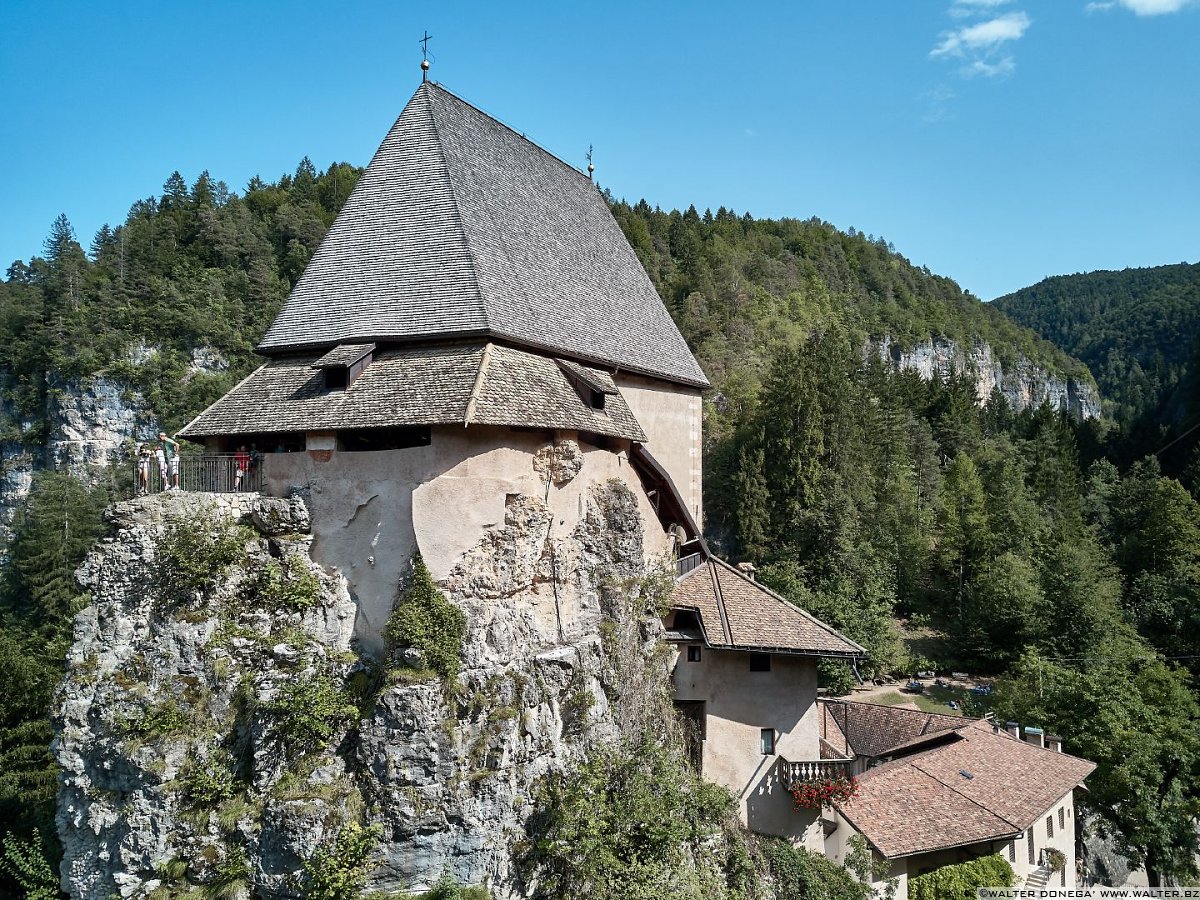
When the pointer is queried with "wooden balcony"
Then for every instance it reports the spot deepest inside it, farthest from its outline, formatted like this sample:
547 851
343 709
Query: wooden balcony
804 771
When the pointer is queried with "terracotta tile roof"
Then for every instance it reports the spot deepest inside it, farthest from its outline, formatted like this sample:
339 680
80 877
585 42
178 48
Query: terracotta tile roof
415 386
876 730
738 613
902 810
982 785
460 226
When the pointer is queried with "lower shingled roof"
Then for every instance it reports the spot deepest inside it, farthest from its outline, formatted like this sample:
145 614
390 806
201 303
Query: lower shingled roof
737 613
473 383
871 729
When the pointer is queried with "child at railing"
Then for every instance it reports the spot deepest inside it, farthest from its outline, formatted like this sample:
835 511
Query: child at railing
241 462
143 464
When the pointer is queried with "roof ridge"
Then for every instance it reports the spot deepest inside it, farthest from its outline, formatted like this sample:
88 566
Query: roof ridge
456 209
483 112
789 604
477 388
989 810
720 597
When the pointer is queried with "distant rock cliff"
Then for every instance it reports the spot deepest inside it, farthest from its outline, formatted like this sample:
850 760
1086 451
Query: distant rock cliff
1023 384
216 726
87 423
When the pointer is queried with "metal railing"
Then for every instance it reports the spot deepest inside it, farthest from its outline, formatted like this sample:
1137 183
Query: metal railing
686 564
212 472
804 771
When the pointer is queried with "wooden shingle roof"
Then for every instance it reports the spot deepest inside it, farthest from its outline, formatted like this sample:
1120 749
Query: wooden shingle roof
465 383
739 614
460 226
982 785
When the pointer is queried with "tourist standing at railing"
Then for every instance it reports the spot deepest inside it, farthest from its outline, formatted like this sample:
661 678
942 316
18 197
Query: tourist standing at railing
168 461
143 464
241 462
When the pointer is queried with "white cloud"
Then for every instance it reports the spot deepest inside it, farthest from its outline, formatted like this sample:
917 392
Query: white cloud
998 69
1154 7
937 104
962 9
985 36
1100 6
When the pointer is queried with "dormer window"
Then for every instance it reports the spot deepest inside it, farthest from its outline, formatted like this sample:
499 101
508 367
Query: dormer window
344 363
592 387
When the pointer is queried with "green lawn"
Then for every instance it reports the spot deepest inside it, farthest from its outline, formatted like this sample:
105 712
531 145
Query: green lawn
934 700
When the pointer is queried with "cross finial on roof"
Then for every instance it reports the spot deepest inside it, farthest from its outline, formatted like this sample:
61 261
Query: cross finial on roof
424 42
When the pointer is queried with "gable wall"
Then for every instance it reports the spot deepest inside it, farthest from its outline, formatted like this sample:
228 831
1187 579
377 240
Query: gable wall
671 416
738 704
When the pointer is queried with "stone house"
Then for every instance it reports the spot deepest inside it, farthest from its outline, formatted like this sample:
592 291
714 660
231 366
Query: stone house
938 790
745 674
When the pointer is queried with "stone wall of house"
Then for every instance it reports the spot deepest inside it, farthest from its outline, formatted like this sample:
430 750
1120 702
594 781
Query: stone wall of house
164 687
373 510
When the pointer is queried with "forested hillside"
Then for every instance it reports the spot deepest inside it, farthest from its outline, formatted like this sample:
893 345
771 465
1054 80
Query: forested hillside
1137 330
738 287
868 497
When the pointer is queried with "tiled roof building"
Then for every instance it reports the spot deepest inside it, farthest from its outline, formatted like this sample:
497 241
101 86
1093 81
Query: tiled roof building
982 784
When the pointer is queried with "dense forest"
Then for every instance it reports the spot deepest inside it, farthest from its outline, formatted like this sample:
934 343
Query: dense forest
1022 545
1136 330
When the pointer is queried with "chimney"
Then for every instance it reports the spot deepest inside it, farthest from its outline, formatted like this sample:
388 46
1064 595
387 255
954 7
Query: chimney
1034 736
1054 742
748 569
1013 729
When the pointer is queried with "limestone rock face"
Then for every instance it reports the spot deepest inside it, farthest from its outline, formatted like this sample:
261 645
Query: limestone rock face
95 422
185 723
1023 384
87 423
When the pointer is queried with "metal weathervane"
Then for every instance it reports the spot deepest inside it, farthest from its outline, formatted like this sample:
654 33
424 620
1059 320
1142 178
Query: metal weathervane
424 42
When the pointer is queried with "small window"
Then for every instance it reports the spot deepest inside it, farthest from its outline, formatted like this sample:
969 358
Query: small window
693 653
1012 852
1062 819
337 379
596 400
1049 826
760 662
766 740
1062 876
1032 855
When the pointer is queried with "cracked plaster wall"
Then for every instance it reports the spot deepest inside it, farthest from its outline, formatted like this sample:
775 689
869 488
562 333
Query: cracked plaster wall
371 510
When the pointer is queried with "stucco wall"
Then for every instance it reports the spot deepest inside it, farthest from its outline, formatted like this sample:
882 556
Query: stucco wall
738 704
371 510
1064 840
671 417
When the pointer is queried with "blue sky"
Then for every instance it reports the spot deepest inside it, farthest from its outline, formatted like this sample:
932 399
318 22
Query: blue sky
995 141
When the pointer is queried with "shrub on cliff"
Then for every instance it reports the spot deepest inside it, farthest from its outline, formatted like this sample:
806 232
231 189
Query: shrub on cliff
424 620
194 556
635 821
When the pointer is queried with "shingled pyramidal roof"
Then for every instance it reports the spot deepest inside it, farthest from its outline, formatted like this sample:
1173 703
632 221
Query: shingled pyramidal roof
462 227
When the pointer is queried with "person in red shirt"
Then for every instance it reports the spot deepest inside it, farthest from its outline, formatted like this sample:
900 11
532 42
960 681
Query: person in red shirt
241 462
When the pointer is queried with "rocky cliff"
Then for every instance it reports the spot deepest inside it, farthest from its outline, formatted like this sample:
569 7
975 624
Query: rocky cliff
86 425
217 728
1023 383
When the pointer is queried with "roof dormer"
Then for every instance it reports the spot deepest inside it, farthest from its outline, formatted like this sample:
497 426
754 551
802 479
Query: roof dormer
343 364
